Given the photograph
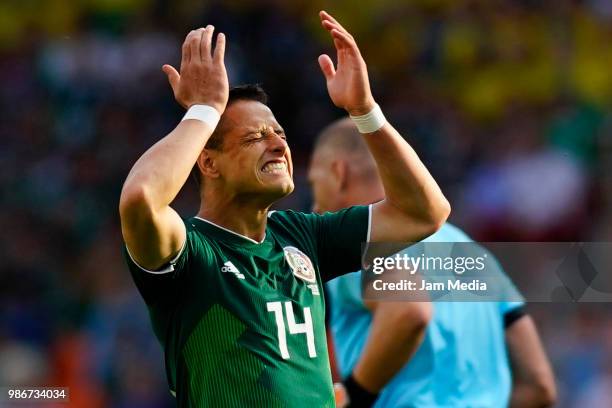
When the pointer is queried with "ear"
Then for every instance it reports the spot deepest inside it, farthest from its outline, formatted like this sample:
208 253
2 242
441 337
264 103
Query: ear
207 164
340 174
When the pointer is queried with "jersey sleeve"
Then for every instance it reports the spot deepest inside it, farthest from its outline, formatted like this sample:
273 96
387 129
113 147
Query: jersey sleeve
512 306
161 287
339 237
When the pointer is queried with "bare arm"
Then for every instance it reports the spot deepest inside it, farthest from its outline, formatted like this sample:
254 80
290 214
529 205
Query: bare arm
153 232
414 206
396 333
533 378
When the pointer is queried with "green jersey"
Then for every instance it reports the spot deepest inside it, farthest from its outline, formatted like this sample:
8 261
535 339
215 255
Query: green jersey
241 322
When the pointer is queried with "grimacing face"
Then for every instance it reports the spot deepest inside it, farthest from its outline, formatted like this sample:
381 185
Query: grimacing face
255 158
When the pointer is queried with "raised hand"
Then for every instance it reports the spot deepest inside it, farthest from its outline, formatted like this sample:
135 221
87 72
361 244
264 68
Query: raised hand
348 84
203 79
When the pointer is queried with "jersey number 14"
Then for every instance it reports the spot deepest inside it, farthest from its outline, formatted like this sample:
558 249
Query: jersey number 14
294 328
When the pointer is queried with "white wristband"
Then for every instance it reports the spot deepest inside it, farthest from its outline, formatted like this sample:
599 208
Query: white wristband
203 113
371 121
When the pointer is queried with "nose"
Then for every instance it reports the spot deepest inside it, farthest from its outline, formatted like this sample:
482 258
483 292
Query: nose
277 143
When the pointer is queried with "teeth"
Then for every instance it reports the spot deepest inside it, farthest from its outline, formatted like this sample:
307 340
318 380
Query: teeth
275 168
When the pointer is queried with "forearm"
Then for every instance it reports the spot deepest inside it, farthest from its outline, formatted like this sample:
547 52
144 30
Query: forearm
394 338
414 207
528 396
534 381
159 174
161 171
408 185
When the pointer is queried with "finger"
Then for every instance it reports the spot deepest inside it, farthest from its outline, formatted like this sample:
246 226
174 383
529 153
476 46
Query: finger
205 43
186 51
346 42
328 25
339 44
194 45
219 54
173 76
340 52
326 17
327 66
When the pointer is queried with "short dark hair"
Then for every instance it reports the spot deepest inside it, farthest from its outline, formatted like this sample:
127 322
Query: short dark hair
246 92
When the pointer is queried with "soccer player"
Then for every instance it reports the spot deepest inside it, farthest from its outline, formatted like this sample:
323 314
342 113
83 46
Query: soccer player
235 293
420 354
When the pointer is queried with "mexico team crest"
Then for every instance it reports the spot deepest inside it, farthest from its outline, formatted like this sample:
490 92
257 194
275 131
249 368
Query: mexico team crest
300 264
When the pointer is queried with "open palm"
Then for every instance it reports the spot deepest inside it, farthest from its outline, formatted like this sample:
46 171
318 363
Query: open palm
348 84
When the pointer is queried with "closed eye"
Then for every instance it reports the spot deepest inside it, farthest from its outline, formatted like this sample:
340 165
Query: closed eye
252 137
258 136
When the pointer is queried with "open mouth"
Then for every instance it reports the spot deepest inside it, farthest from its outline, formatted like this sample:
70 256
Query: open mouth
275 167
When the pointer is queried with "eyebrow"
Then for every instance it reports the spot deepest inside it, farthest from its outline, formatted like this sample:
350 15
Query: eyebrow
250 130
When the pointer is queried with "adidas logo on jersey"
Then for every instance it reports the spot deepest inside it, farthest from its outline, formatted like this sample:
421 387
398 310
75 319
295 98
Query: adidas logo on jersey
229 267
314 288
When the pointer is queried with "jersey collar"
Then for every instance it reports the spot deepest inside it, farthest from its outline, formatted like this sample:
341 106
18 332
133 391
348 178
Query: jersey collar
227 234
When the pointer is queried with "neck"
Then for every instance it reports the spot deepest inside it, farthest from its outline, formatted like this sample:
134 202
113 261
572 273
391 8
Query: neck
243 217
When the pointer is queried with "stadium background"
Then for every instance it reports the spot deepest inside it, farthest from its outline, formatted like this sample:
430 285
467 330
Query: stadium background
508 103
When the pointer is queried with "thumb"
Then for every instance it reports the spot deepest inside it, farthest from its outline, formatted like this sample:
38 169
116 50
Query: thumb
173 76
327 66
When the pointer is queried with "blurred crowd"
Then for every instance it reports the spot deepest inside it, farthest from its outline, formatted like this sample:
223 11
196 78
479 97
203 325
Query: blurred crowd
507 102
